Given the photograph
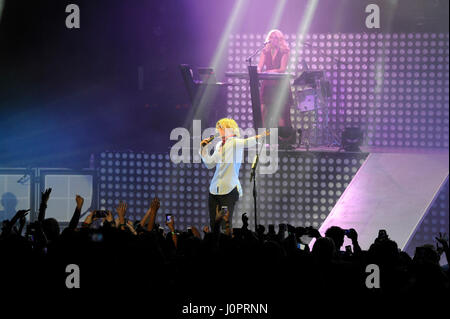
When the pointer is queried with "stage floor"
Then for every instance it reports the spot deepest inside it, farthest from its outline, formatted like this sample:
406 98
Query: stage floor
375 149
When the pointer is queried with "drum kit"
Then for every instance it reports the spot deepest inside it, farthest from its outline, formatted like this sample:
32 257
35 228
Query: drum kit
312 94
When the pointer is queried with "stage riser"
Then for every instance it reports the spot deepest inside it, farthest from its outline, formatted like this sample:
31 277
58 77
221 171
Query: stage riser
392 192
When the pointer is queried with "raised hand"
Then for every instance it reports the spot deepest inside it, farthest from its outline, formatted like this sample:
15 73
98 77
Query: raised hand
20 214
73 224
80 201
195 231
9 224
44 199
155 204
226 217
266 133
171 224
218 214
244 218
109 217
150 215
122 210
45 196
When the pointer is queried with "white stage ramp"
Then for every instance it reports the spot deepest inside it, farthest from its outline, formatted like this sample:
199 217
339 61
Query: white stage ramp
391 192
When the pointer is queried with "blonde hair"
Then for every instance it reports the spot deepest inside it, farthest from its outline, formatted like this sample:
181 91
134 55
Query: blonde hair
283 43
227 123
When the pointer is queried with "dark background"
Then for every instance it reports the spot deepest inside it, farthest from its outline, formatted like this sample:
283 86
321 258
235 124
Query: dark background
65 94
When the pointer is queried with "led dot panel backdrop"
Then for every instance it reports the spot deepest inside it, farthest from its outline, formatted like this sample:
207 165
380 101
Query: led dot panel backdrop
302 192
434 222
393 86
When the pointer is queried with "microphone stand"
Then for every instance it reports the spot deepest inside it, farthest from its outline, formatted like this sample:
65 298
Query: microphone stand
249 59
253 178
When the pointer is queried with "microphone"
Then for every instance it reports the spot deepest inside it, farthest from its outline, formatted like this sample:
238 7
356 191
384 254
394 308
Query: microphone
266 43
209 140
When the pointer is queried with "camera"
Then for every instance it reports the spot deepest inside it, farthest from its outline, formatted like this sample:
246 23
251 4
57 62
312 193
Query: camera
224 210
100 214
31 231
168 218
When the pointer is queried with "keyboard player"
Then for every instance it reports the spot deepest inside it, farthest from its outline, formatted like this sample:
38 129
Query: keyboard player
276 97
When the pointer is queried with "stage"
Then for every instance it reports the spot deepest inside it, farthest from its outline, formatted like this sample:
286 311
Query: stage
127 127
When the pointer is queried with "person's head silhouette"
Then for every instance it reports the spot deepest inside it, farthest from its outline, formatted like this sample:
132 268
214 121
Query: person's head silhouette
9 202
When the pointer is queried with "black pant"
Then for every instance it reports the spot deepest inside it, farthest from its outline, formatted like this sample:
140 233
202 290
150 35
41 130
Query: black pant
228 200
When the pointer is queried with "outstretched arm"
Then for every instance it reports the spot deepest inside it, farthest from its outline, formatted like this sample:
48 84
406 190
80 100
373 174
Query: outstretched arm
22 223
8 225
76 215
121 211
171 225
154 206
226 219
44 199
250 141
217 221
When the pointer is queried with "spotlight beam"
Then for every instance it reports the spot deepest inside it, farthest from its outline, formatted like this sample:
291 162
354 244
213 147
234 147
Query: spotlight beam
220 50
302 31
275 21
218 59
305 24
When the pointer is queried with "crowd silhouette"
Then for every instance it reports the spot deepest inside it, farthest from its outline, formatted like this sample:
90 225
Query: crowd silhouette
114 253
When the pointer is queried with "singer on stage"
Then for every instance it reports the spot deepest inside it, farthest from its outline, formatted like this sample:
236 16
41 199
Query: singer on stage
225 188
276 97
